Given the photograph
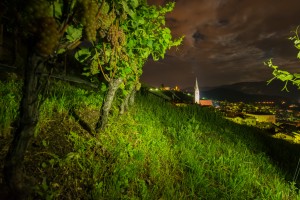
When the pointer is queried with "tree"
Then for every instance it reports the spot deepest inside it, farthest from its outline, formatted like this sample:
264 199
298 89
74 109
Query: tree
41 26
121 35
283 75
123 49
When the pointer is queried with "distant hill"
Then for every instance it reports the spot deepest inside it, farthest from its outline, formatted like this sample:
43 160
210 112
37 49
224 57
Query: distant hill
251 91
262 88
232 95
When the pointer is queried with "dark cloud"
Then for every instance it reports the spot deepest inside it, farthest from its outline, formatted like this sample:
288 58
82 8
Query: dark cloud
198 36
226 41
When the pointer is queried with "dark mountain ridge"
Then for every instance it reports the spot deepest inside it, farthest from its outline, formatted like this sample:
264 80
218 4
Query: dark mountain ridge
252 91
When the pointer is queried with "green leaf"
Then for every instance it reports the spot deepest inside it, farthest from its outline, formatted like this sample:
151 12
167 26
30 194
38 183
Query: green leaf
73 33
103 87
122 86
128 10
82 54
44 184
131 43
60 51
140 20
283 72
296 75
58 9
297 82
86 74
44 142
289 77
274 66
284 77
150 43
44 165
52 162
134 3
127 70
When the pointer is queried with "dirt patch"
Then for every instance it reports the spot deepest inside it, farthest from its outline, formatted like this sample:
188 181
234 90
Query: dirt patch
52 141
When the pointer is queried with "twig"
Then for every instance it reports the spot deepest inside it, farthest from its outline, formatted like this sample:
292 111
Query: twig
99 64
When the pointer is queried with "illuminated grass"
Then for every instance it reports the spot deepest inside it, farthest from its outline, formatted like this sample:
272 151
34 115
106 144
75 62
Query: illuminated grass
154 151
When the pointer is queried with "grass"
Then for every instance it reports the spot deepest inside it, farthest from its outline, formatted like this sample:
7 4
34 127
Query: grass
154 151
9 101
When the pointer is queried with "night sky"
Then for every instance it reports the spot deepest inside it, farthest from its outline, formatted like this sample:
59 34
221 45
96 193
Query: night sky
226 41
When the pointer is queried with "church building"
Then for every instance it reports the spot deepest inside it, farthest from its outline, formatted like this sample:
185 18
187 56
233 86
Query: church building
196 93
198 100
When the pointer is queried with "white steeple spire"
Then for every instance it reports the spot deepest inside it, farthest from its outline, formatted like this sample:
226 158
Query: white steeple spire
197 93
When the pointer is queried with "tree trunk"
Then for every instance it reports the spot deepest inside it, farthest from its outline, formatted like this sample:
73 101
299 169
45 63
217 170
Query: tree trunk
106 106
132 96
128 100
29 115
124 105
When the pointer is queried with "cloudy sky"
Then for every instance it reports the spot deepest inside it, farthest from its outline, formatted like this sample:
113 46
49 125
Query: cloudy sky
226 41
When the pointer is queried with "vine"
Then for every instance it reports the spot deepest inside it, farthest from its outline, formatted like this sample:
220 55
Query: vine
117 38
283 75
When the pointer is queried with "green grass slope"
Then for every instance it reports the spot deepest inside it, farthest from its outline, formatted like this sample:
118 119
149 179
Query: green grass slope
154 151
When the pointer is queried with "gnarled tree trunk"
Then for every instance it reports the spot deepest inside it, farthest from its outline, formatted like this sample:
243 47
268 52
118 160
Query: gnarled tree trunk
29 115
106 106
132 96
124 105
128 100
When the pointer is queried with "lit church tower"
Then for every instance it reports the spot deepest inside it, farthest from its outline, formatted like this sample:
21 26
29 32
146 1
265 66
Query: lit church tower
197 93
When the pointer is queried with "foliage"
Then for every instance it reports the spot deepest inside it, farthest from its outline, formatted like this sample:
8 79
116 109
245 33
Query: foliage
126 42
283 75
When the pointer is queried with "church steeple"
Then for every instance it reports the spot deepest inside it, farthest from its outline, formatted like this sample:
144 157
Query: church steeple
197 93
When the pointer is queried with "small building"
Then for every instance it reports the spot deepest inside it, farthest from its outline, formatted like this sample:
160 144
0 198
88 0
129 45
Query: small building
176 88
166 88
206 102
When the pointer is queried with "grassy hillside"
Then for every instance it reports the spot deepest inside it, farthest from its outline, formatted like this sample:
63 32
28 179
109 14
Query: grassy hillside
154 151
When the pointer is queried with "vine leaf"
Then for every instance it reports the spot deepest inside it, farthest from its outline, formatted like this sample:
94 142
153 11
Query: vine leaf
134 3
82 55
73 33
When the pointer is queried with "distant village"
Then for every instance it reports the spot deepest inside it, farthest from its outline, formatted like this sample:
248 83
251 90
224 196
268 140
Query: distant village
282 120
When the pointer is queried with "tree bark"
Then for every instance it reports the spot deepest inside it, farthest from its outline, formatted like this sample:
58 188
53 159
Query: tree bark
106 106
124 105
132 96
29 115
128 100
